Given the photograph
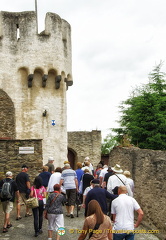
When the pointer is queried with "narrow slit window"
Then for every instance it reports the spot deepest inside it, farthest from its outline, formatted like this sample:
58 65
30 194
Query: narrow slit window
18 32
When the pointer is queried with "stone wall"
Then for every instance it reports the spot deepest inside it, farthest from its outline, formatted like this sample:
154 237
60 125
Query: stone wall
11 160
86 144
148 168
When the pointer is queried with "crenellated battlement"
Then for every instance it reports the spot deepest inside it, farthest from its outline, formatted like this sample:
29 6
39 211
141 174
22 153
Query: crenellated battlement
18 25
20 42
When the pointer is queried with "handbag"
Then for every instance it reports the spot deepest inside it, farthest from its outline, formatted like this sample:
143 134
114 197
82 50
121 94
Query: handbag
32 202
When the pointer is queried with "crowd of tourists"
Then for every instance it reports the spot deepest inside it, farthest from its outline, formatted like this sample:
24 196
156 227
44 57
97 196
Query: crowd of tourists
104 192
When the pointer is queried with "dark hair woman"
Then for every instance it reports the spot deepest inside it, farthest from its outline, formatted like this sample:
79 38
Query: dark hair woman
39 191
54 211
98 221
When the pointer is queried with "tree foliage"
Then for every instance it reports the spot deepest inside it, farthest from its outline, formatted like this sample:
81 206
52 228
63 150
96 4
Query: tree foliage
143 115
109 142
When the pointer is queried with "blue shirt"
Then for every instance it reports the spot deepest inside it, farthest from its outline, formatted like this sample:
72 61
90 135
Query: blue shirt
79 173
45 178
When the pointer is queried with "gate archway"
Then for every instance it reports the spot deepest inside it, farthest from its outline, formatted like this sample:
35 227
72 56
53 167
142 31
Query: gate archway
7 117
72 158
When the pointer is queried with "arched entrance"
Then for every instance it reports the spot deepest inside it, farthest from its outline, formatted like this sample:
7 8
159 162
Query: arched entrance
7 116
72 158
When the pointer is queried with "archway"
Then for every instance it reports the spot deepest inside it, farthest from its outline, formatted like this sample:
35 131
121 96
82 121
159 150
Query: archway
72 158
7 116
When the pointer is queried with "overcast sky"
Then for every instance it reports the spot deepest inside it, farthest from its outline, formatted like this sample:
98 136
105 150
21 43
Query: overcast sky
115 44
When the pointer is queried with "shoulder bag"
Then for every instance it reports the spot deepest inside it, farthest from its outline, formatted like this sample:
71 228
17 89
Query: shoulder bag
95 228
32 202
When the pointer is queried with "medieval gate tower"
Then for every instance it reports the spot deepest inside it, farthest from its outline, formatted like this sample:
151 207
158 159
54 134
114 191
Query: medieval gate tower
35 72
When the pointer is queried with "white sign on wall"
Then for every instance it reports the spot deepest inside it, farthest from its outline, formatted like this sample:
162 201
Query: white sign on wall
26 150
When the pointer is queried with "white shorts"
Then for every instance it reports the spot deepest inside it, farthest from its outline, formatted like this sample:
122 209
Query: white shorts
55 221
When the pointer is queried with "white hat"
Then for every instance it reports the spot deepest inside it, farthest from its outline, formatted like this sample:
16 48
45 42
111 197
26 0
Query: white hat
117 169
67 165
105 166
87 159
9 174
50 159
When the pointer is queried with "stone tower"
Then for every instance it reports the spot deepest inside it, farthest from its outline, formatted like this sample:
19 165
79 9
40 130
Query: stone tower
35 72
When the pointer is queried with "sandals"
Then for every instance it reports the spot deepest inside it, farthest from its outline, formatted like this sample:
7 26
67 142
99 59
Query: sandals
9 225
5 230
18 218
28 214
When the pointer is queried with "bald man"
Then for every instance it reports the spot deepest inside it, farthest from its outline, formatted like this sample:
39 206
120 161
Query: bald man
123 208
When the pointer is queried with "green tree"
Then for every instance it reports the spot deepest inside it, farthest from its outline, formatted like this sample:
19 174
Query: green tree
109 142
143 116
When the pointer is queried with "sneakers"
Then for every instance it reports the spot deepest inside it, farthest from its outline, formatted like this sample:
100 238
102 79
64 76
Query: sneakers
18 218
71 215
67 215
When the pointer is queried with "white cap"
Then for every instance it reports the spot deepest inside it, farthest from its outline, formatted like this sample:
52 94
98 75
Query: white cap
87 159
50 159
9 174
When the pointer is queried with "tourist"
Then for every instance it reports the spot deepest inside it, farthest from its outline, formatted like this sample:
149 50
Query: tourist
106 177
79 172
100 195
86 178
129 180
54 179
96 220
38 191
98 170
70 184
87 159
45 175
50 165
123 208
86 192
118 179
86 166
7 200
23 183
54 212
102 174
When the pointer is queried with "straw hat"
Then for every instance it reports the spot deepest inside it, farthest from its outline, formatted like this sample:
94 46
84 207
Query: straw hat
117 169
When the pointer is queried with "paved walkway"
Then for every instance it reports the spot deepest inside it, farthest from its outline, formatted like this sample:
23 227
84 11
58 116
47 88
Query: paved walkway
23 229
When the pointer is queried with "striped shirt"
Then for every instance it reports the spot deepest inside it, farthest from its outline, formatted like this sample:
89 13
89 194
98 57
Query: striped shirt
69 176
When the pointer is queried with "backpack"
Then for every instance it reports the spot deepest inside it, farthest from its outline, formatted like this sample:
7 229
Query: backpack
6 192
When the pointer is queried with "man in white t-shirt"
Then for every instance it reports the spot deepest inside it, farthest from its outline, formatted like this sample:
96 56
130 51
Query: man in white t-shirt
123 208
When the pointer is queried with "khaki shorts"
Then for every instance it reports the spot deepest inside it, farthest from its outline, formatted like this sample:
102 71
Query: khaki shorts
7 206
22 199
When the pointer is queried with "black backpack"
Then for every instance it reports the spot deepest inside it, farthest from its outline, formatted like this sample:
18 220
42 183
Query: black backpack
6 192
